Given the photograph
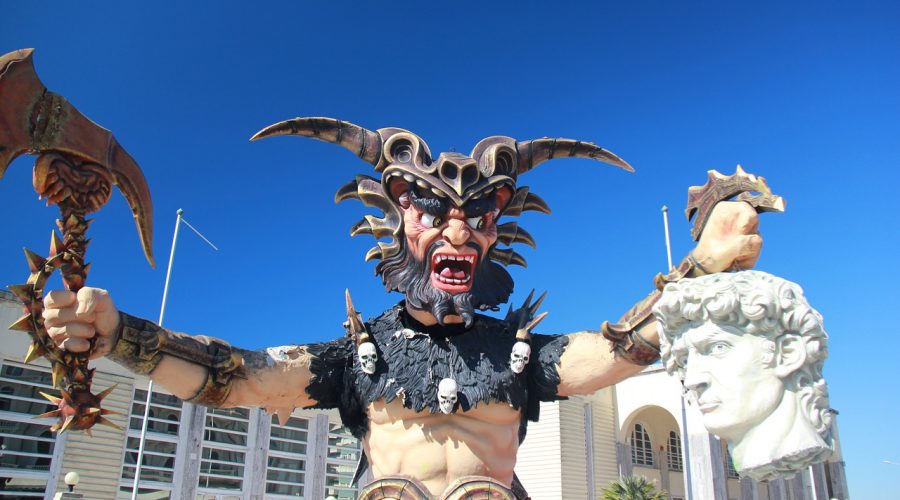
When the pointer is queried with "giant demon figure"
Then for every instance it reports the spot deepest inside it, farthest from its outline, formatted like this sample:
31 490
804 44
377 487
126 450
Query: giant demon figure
438 393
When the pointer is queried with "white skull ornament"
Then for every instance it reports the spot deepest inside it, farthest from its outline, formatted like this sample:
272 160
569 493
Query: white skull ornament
521 353
448 394
367 357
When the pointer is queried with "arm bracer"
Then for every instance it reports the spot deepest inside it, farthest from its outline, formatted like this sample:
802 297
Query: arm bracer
142 344
626 341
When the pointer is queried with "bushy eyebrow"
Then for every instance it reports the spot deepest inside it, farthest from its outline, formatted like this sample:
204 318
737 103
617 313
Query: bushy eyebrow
480 207
433 206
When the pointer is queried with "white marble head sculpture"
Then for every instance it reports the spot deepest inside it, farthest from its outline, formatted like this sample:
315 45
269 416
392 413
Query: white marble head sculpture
750 349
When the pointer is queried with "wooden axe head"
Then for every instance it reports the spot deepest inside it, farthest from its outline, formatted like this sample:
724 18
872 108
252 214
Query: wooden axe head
36 121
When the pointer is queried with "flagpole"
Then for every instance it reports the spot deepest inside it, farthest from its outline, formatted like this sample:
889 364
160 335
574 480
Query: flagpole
684 435
162 312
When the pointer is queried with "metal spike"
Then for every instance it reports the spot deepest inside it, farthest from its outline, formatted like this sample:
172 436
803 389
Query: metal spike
355 325
56 244
506 232
91 411
518 259
35 261
72 221
104 411
510 232
381 228
35 350
23 292
507 256
533 323
106 392
67 424
49 414
107 422
527 302
361 227
346 192
523 236
53 399
533 309
514 207
373 253
23 324
536 203
58 372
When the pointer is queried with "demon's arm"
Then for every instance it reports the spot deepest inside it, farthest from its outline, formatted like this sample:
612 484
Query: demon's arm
209 371
198 369
730 240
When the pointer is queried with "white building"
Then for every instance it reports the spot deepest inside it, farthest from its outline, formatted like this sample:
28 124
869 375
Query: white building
577 448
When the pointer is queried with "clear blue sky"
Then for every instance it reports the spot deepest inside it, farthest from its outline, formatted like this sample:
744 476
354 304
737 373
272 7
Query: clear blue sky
804 94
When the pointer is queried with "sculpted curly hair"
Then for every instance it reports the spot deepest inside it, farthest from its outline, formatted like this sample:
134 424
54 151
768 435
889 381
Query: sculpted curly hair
756 303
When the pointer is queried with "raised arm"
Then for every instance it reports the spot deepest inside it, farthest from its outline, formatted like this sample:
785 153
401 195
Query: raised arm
593 360
197 369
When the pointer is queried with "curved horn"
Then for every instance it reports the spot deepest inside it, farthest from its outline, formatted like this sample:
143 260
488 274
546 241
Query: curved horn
533 153
365 143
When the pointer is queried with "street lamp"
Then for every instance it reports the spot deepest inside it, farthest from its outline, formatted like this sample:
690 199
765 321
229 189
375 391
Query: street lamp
71 480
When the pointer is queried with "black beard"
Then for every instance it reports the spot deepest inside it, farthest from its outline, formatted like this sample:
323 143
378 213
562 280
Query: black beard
404 273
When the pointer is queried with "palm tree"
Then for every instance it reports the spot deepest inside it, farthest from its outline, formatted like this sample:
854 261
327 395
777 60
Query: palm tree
633 488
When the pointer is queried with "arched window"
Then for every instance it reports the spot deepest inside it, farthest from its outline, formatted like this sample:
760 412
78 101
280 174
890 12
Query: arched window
641 448
673 452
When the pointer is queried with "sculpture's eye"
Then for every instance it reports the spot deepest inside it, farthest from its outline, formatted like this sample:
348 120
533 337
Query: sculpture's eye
475 222
719 348
429 220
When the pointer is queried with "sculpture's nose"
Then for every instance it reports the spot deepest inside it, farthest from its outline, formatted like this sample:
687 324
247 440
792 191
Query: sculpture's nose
456 232
696 378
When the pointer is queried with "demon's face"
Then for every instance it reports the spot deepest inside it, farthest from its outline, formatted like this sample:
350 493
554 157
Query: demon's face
443 266
450 240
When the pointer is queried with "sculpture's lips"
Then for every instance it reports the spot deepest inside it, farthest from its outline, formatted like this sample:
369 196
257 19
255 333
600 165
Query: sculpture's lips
708 406
452 272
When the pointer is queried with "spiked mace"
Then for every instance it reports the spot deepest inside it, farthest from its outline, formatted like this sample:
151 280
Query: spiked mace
78 163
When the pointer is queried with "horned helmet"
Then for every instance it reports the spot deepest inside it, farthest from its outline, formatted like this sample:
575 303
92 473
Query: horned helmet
405 162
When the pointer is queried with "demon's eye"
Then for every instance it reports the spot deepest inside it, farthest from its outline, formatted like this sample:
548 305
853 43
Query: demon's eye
429 220
475 222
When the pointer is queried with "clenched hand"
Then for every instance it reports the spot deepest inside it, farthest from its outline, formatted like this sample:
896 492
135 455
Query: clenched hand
72 319
730 239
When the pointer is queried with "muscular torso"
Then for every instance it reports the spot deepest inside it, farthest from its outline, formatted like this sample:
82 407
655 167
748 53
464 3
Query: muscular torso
395 410
437 449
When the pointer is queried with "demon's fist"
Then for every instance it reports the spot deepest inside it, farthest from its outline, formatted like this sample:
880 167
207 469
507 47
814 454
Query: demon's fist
730 239
73 319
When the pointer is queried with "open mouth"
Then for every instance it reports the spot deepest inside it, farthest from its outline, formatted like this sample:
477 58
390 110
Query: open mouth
452 272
